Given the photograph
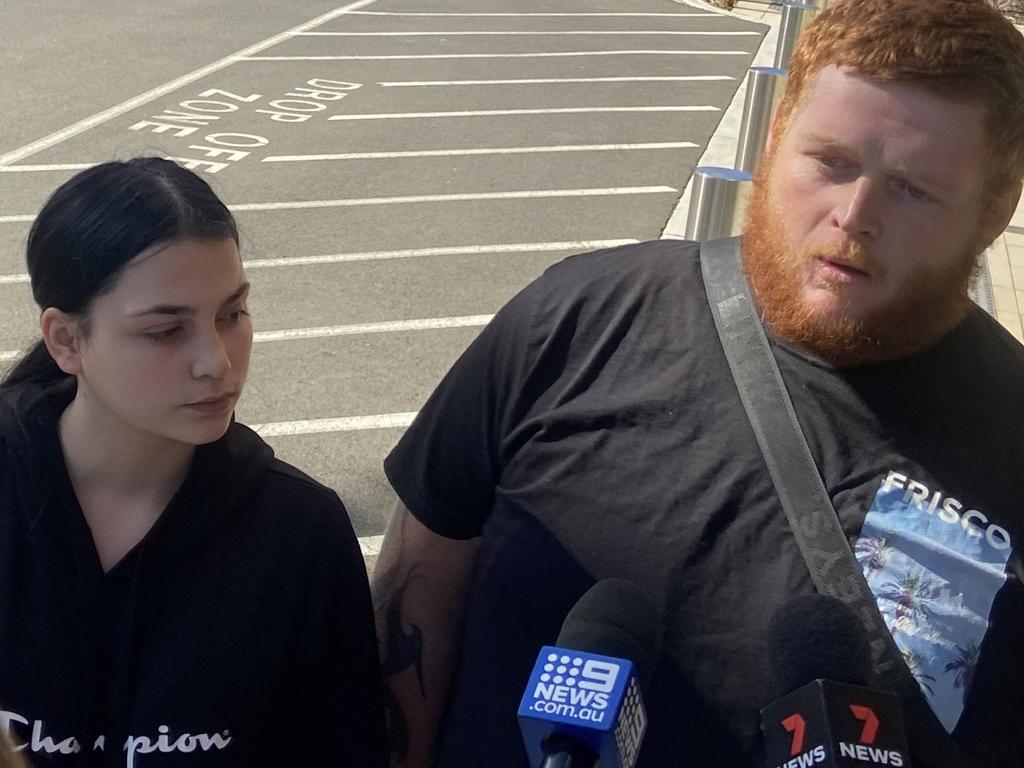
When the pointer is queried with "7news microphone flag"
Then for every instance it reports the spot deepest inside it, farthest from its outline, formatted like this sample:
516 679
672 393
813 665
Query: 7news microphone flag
825 714
582 706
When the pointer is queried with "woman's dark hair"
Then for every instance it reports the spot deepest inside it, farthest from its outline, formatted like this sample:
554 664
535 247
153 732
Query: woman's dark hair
96 223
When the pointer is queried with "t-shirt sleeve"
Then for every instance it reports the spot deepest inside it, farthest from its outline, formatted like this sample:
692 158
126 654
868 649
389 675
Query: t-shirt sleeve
447 464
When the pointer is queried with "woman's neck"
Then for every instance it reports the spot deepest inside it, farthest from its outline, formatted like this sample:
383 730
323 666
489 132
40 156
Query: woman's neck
103 454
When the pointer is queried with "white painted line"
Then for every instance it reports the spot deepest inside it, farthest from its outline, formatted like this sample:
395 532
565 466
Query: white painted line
518 195
342 424
17 218
38 168
354 329
507 112
154 93
481 151
555 80
619 13
504 33
521 195
576 246
406 56
369 546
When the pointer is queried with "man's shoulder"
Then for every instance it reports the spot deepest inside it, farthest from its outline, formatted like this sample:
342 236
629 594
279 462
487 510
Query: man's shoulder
628 273
652 259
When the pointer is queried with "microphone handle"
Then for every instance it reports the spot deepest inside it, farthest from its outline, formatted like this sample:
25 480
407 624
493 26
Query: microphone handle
562 751
566 760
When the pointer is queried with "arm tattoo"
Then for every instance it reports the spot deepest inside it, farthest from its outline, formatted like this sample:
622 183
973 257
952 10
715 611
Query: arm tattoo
401 644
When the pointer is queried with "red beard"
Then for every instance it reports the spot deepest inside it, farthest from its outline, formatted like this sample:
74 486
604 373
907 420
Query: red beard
913 322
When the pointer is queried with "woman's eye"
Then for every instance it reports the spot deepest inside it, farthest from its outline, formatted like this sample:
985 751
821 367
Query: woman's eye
235 316
164 335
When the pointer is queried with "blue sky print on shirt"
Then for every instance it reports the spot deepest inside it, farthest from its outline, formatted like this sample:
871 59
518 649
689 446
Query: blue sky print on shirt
934 565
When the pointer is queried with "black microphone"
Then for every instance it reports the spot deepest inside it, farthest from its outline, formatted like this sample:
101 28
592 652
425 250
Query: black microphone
582 705
825 713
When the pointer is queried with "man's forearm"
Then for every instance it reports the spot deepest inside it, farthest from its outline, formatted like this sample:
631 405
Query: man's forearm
419 588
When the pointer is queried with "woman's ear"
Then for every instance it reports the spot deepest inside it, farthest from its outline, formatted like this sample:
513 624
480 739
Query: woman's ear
62 335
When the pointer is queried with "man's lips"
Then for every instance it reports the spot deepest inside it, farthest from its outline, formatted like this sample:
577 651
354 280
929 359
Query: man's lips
841 271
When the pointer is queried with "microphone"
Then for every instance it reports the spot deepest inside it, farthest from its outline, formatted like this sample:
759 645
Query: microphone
582 705
825 713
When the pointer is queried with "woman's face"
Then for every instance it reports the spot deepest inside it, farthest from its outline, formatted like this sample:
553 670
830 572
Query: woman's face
167 349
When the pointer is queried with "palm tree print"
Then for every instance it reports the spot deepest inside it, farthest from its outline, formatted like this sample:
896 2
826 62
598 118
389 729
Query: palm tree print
874 549
964 667
909 594
913 660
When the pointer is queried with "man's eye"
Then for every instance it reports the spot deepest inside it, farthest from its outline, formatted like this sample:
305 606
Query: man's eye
908 189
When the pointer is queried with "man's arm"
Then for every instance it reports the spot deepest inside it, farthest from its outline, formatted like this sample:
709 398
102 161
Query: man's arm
419 589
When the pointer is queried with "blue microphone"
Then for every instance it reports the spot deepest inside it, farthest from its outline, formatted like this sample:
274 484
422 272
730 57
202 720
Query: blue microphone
582 705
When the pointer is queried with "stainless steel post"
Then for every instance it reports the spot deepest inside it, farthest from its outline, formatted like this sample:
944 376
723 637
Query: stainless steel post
718 201
795 18
764 89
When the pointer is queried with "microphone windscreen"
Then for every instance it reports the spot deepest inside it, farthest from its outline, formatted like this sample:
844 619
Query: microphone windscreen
815 637
615 618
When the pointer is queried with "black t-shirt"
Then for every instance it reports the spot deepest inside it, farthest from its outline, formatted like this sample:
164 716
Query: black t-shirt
594 430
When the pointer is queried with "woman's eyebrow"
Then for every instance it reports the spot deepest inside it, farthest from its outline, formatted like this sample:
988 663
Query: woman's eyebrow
182 310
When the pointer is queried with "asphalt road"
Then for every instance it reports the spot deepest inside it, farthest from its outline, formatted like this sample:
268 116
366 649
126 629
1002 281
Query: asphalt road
399 169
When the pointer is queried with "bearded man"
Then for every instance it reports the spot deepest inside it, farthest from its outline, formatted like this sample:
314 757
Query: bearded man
594 428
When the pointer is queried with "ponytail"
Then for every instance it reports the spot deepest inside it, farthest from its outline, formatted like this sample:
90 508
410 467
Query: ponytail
35 366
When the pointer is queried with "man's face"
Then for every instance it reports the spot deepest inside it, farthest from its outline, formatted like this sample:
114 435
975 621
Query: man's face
867 220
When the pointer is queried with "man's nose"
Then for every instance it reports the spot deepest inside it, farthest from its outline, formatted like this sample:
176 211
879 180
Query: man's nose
858 209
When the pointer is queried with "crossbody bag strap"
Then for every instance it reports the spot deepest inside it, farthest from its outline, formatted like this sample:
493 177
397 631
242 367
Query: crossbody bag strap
819 535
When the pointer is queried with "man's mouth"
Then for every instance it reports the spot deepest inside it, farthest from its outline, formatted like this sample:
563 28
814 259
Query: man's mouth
839 271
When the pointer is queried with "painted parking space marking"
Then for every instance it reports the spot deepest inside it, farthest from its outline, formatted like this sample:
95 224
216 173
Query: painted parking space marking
117 110
517 195
356 329
546 32
542 55
411 253
458 250
351 329
537 13
482 151
510 112
339 424
41 168
558 80
294 205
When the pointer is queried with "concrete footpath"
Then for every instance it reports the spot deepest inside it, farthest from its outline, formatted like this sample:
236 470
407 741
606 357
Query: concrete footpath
1000 287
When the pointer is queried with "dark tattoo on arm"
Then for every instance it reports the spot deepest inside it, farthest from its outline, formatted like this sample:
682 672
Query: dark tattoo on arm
401 645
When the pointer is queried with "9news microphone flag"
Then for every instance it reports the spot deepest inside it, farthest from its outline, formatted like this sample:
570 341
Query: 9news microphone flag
827 715
582 705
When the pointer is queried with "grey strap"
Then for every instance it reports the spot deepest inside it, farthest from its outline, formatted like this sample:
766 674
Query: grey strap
812 518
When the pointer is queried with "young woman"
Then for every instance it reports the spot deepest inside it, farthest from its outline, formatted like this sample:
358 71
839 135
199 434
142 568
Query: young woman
170 593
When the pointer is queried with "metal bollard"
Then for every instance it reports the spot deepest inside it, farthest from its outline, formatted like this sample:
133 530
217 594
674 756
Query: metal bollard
718 201
795 18
764 89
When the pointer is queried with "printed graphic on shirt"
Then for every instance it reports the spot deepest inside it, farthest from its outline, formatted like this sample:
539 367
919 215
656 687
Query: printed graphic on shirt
934 565
33 736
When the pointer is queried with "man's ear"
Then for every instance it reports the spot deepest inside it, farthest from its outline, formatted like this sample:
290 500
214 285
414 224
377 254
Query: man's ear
62 335
1003 208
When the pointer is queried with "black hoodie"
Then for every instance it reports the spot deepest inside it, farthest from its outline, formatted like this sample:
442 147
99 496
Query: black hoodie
238 632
